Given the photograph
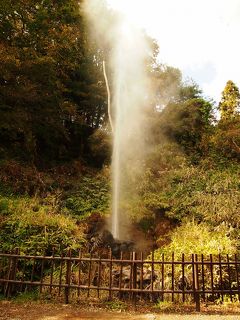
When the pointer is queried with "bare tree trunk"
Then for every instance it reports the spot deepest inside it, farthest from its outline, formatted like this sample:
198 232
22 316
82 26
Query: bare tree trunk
109 96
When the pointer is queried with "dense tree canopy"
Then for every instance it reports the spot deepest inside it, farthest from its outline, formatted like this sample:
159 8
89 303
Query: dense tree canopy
51 83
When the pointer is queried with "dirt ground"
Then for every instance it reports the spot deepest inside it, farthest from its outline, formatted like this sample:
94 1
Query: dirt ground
10 310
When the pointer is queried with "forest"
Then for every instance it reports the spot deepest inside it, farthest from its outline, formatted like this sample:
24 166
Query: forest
56 143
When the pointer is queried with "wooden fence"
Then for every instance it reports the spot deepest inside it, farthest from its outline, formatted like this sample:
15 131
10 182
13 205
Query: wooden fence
191 278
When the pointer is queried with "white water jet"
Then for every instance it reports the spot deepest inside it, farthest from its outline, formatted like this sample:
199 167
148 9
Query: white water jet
129 98
126 66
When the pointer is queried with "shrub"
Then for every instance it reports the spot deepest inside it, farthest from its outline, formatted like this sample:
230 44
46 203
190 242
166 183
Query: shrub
20 179
198 238
36 227
90 195
207 195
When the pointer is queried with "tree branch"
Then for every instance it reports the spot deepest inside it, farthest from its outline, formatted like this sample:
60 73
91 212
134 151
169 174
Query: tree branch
109 96
236 146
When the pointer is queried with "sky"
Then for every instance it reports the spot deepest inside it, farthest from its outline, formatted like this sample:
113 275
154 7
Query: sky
200 37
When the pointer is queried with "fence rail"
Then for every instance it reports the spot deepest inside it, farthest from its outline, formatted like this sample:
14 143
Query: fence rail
196 278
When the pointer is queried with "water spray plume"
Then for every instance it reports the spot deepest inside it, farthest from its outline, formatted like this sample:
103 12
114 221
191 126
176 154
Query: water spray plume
126 103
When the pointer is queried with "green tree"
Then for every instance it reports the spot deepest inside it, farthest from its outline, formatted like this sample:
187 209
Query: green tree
226 140
230 101
188 123
52 93
189 90
166 82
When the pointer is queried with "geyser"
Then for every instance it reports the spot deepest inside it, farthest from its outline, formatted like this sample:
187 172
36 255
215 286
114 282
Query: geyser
127 67
128 64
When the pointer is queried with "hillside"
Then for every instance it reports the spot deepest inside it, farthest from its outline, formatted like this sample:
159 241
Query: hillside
56 143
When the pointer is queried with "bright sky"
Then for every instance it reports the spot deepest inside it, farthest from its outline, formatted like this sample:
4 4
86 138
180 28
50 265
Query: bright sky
200 37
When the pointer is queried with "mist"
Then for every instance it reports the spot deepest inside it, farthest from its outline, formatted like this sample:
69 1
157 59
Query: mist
126 64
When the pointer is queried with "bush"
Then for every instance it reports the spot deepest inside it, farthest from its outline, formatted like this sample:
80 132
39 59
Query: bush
36 226
226 140
21 179
90 195
198 238
207 195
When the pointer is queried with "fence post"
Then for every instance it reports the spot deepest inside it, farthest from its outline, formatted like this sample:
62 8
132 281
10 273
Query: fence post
163 285
237 275
134 296
11 273
42 273
173 278
68 277
229 278
196 282
52 269
120 276
89 275
110 274
203 278
221 277
183 278
79 271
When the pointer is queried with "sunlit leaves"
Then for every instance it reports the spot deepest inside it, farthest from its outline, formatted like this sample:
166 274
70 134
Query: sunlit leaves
230 101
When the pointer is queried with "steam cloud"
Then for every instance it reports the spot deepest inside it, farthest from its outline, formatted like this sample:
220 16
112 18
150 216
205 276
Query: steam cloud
126 63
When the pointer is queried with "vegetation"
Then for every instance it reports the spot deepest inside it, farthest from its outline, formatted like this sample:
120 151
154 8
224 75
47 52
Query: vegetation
230 101
55 142
52 94
91 195
37 226
198 238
